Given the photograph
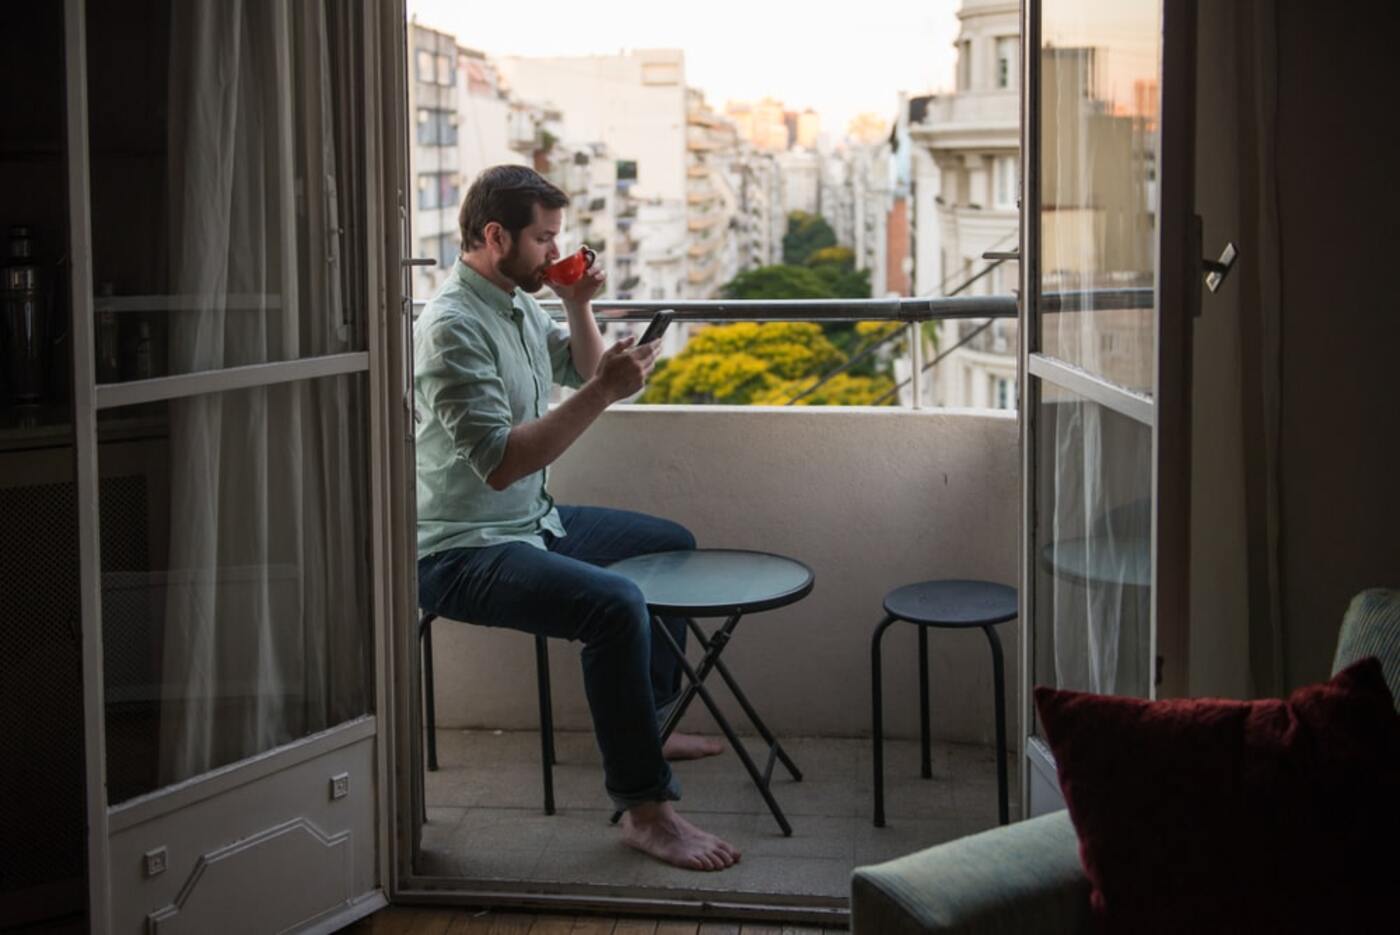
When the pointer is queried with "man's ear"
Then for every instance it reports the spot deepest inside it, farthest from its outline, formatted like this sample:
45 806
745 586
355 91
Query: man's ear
497 237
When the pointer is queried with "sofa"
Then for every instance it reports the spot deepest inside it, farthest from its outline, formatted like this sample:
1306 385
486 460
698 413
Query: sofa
1027 877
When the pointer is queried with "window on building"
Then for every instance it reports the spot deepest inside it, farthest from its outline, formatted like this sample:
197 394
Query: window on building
446 70
438 190
1008 50
627 170
427 70
1005 181
1003 393
437 127
444 247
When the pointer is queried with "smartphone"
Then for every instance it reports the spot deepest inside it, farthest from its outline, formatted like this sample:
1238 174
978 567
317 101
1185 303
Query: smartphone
657 327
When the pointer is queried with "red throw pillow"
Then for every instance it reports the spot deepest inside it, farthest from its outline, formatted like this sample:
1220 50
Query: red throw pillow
1205 815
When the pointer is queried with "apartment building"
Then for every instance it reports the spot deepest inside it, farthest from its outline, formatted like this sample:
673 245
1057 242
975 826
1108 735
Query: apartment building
801 175
969 142
763 124
872 197
435 101
756 180
634 105
711 204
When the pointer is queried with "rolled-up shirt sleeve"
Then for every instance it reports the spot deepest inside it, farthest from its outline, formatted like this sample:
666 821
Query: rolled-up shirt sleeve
561 357
459 379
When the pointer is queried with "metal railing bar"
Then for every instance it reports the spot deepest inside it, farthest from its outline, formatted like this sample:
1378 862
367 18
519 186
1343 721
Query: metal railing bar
881 342
940 308
940 356
835 310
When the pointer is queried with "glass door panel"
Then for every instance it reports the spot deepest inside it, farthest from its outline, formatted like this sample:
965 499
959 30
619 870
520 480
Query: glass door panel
1092 547
225 200
1104 376
1099 68
235 576
220 164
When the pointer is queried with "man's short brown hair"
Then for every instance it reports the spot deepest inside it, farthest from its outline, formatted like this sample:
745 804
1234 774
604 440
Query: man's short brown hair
505 194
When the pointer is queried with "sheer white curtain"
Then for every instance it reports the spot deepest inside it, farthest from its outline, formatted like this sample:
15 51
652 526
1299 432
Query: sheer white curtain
267 591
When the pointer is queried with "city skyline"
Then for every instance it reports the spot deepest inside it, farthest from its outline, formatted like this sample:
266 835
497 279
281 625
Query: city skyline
898 45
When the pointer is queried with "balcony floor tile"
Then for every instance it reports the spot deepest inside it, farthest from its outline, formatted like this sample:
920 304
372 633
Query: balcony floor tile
485 817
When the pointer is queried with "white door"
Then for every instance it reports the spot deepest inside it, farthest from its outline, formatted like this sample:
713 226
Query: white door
1108 284
234 280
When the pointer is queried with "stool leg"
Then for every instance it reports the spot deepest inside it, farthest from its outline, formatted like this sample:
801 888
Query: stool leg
425 636
546 722
999 686
877 727
926 764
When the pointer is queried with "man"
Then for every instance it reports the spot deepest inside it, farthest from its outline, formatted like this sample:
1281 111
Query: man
493 548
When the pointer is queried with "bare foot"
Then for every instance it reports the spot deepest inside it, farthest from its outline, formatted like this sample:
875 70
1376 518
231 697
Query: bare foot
691 747
657 831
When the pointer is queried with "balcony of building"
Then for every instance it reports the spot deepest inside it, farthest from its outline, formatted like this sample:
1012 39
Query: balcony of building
704 222
938 497
701 273
702 248
970 119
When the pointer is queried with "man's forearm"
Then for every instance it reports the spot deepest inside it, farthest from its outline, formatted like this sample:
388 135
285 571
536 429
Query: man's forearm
585 343
535 445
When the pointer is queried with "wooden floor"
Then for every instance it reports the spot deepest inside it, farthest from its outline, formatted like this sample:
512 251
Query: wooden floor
404 920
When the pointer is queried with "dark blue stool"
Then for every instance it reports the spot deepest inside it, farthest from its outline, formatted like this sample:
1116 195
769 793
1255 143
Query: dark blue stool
949 604
547 760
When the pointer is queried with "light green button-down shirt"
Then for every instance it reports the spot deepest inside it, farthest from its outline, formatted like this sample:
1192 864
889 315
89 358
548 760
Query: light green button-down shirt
483 362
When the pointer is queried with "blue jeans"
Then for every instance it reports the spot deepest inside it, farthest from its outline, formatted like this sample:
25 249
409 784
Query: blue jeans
567 593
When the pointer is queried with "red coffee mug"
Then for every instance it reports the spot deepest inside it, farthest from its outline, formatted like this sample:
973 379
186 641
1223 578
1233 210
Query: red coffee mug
570 270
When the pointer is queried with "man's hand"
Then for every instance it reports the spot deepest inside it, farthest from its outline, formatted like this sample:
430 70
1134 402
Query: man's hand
583 291
623 369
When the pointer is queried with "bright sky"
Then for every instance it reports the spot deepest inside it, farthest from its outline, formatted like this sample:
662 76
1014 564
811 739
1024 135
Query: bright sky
838 60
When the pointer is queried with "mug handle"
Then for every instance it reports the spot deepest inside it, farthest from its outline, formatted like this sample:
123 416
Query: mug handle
588 256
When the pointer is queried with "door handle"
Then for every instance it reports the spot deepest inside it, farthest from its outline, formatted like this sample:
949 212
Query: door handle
1217 270
418 261
1002 254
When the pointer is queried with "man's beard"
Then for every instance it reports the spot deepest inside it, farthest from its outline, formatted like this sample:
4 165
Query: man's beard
528 278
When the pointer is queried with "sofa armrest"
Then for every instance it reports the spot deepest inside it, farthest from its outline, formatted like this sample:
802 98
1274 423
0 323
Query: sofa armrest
1371 627
1024 877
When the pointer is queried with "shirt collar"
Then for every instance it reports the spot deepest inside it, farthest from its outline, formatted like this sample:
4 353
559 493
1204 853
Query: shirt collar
485 290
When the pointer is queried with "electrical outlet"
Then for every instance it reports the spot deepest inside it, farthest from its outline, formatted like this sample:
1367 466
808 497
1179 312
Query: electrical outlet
340 785
155 862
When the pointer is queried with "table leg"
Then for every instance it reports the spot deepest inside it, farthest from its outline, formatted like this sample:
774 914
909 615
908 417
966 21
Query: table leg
753 717
729 734
707 662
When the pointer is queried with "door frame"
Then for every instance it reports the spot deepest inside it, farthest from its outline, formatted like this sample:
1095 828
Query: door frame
384 418
1168 412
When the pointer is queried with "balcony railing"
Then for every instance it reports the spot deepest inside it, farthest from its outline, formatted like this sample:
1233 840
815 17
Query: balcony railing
909 311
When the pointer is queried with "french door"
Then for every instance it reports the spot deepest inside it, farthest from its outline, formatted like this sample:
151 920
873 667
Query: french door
233 187
1110 278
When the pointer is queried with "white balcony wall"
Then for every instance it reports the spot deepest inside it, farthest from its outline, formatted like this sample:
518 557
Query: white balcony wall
869 498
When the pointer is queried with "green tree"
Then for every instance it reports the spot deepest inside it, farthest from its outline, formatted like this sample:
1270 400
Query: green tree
751 363
778 282
843 257
806 234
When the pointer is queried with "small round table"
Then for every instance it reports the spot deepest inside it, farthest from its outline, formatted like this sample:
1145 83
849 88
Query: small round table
725 583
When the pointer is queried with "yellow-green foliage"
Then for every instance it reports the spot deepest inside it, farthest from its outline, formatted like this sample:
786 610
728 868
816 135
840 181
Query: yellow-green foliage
751 363
841 390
